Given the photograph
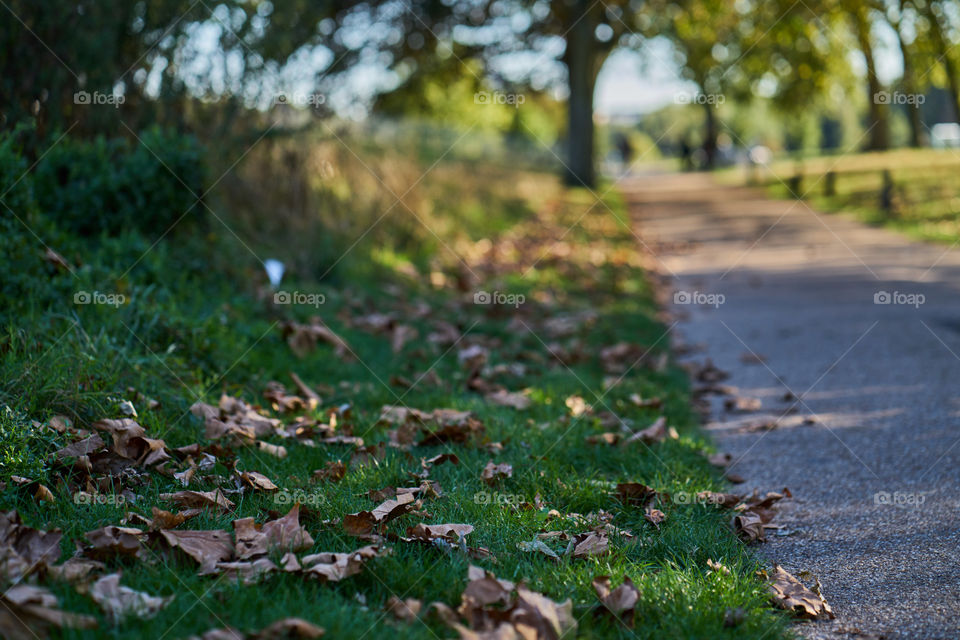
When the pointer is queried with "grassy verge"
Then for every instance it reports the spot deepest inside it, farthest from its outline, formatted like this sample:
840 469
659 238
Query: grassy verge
919 197
197 321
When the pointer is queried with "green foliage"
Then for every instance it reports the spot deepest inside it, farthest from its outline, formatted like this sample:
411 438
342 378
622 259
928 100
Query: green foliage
106 186
23 446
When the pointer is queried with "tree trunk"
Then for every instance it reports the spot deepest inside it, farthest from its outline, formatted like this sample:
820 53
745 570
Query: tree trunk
917 134
943 52
878 140
580 57
709 133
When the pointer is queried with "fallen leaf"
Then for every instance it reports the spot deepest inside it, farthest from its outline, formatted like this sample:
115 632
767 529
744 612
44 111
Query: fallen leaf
515 399
749 527
725 500
82 447
499 610
406 610
206 547
333 567
118 601
56 259
199 499
75 569
110 541
741 404
24 549
303 338
27 612
621 601
538 546
654 516
635 493
790 594
452 533
333 471
258 481
577 406
365 522
285 533
493 473
656 432
305 390
591 543
285 629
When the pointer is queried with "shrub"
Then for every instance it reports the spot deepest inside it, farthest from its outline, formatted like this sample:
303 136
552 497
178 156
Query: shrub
93 186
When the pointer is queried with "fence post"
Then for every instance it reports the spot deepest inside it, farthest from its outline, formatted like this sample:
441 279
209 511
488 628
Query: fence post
794 183
830 184
886 193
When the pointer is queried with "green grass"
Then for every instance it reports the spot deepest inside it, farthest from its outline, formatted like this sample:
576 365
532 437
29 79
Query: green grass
925 195
195 326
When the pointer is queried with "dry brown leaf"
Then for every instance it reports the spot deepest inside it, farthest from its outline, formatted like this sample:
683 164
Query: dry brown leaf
749 527
452 533
725 500
56 259
515 399
118 601
538 546
577 406
720 459
406 610
274 450
285 533
199 499
25 549
790 594
82 447
656 432
123 432
496 608
246 571
285 629
206 547
162 519
305 390
635 493
303 338
257 481
75 569
110 541
333 471
652 403
493 473
365 522
591 543
654 516
608 438
741 404
620 601
333 567
28 612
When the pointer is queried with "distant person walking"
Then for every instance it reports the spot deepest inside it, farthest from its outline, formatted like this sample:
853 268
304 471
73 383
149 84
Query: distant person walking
686 154
624 150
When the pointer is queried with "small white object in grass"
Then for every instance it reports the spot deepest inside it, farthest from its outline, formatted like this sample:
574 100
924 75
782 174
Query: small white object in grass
127 408
274 271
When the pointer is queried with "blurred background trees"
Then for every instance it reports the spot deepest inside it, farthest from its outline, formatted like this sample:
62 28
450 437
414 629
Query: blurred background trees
816 75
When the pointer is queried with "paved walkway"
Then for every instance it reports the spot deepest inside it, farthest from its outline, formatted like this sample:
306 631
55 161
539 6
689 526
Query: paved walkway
876 476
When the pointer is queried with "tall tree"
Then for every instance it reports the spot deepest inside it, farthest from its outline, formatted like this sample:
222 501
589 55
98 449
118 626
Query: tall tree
897 17
878 132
